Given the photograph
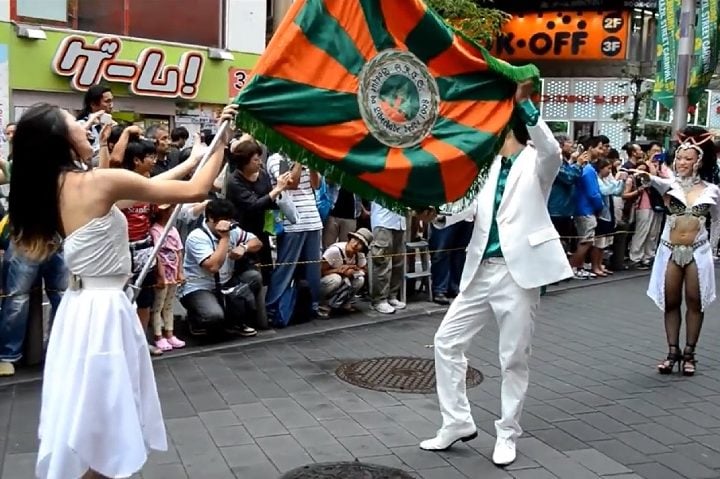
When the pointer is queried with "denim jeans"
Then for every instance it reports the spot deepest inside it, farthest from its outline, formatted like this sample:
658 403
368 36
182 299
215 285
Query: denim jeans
293 248
447 266
19 276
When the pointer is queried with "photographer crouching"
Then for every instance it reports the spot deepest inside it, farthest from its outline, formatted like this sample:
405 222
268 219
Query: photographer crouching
221 291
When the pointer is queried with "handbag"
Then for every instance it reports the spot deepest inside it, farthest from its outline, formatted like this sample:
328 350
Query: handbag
287 206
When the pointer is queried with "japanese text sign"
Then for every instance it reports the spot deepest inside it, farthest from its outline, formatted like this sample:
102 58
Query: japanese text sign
88 63
564 36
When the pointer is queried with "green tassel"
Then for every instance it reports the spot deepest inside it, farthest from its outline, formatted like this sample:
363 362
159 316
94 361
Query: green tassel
277 143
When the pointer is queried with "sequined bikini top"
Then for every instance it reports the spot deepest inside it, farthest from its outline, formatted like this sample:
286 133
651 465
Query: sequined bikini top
677 207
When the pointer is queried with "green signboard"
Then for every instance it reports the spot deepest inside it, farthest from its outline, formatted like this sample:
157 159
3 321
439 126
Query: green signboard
705 56
71 61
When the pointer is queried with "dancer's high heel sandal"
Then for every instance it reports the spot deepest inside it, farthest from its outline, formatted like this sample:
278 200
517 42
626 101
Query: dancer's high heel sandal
689 361
667 366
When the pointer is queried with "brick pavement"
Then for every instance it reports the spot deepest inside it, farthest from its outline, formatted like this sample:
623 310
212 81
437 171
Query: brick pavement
596 407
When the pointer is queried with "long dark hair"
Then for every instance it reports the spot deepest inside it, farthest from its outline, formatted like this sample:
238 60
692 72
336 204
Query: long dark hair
41 152
92 96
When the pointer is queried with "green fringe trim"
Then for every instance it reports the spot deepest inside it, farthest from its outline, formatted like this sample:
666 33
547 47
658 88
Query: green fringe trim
332 171
512 72
278 143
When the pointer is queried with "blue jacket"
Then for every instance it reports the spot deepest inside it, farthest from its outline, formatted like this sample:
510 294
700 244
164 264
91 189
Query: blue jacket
588 200
561 201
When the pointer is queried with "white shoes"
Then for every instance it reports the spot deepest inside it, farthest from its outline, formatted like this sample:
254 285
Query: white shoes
447 437
397 304
504 453
383 307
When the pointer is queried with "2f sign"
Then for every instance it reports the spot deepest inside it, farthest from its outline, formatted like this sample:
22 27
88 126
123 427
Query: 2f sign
88 63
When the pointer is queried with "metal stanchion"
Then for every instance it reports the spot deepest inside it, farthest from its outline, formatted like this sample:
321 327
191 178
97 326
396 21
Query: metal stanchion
133 290
35 330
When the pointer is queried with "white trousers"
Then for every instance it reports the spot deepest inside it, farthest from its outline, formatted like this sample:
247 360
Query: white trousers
491 293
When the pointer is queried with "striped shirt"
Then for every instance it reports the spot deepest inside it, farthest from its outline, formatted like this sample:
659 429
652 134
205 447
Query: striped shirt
303 198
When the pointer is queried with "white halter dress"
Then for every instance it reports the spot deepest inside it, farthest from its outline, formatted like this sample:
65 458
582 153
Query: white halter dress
100 407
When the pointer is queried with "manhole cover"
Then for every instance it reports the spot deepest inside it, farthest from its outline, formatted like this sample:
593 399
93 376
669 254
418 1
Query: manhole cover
397 374
346 470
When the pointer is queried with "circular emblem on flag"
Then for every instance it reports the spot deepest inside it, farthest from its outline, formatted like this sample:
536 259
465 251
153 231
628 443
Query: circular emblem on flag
398 98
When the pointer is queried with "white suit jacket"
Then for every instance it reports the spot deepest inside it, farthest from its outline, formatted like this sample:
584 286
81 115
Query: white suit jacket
530 244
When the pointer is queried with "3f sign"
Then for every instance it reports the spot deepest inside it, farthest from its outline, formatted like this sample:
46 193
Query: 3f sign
88 63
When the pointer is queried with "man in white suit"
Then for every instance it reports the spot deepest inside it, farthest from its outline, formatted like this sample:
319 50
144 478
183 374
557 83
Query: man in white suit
514 251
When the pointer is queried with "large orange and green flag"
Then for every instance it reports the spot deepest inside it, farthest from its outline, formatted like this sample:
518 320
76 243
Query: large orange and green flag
383 97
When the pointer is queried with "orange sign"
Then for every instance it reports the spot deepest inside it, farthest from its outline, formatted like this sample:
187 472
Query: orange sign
565 36
237 78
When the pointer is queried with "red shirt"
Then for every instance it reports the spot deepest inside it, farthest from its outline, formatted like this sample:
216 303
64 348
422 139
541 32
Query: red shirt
138 220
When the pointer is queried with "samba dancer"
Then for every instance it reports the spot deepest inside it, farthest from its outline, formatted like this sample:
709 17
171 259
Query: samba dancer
514 251
684 258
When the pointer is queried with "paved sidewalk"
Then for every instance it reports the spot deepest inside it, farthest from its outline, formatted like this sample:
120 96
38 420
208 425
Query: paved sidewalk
596 406
364 317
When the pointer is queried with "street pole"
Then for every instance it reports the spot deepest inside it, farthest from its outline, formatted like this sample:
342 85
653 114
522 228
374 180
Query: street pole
686 48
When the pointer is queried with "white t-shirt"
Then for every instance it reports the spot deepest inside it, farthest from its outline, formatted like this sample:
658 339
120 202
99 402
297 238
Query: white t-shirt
336 256
303 198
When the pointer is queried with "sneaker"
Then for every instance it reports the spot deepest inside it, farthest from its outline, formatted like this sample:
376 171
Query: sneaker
442 299
176 343
155 351
323 312
163 345
397 304
504 453
7 369
384 308
247 331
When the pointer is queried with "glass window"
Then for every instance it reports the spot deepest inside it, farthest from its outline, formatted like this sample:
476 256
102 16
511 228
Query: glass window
108 19
664 114
185 21
702 109
53 10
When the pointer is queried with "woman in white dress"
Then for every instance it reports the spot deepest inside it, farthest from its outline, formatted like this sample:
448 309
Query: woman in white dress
684 259
100 411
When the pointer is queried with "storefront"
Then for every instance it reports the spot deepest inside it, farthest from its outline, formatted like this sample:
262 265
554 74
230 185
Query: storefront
583 57
152 82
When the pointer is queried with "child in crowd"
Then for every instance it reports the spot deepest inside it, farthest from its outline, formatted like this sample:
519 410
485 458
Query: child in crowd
170 275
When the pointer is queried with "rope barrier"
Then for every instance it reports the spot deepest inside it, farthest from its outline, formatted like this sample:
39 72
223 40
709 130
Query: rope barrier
414 252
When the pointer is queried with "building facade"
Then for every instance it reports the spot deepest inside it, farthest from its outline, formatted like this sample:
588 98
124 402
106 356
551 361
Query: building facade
173 62
590 54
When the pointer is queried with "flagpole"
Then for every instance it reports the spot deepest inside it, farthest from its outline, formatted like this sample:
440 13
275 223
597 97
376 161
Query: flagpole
686 48
134 289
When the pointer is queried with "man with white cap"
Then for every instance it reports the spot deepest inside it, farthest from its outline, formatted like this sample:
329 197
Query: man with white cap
344 267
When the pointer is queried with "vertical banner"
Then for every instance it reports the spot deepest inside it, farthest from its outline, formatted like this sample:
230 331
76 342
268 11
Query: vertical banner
706 50
705 57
